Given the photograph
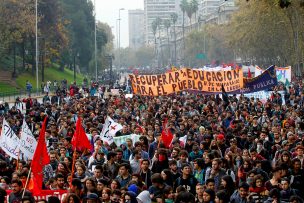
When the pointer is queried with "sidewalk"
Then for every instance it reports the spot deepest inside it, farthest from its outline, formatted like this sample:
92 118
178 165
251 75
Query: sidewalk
12 98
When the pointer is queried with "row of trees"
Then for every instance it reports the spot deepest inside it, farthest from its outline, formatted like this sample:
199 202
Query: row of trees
65 30
261 32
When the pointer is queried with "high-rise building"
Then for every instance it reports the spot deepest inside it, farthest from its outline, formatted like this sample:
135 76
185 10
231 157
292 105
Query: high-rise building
226 9
154 9
136 28
207 7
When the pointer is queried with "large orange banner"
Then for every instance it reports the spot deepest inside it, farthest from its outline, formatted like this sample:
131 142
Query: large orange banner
187 79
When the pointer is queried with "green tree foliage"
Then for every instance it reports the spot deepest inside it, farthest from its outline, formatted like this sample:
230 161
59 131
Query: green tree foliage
79 15
65 30
260 32
263 32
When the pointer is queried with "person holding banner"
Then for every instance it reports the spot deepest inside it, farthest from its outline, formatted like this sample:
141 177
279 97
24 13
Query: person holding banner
95 135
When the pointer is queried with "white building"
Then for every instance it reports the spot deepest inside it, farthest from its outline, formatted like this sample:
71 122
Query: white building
154 9
207 7
136 28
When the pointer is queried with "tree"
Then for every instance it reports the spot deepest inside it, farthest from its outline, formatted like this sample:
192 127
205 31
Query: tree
79 15
174 17
144 56
264 42
189 11
183 6
17 23
154 30
167 25
194 5
160 58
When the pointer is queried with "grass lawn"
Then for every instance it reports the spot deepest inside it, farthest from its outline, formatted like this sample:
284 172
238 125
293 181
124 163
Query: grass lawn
4 87
50 74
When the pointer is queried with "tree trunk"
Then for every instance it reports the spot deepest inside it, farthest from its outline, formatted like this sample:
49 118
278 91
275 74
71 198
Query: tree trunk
23 54
33 55
42 60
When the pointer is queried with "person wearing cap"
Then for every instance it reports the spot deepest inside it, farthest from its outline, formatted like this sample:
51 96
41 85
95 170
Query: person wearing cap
220 140
91 198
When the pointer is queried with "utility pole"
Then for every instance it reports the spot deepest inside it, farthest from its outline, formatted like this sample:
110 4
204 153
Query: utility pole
95 42
37 56
119 36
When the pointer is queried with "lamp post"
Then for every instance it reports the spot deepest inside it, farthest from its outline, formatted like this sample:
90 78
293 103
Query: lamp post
117 33
74 68
95 42
37 57
109 59
121 9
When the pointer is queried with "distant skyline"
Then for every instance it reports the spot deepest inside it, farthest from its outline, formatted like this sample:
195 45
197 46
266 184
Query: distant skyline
107 12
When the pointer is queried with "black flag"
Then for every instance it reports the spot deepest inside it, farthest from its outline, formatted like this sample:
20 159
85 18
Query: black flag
225 97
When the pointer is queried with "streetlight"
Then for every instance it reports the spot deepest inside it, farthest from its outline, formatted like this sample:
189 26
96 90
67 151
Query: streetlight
75 66
37 82
95 41
117 33
121 9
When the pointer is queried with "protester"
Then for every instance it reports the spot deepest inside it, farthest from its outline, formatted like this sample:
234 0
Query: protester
245 150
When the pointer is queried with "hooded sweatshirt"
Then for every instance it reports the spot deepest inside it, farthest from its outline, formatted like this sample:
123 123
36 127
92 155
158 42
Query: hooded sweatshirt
144 197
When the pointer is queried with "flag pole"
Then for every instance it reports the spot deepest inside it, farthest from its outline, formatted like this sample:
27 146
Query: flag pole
74 159
73 166
27 180
18 159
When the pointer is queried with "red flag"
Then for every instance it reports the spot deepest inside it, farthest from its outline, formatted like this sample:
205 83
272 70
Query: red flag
249 73
80 139
166 135
40 159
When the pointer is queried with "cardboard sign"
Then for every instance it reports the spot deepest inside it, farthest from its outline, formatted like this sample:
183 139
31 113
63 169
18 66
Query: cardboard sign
187 80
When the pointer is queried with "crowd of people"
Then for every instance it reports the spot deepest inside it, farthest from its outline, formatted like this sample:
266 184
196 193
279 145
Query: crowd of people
243 151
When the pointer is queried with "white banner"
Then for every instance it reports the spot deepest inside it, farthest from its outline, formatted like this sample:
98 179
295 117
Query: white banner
115 92
264 95
283 74
109 130
28 142
9 142
122 139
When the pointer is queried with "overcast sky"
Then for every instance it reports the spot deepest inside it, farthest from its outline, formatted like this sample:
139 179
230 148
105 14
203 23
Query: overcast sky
107 11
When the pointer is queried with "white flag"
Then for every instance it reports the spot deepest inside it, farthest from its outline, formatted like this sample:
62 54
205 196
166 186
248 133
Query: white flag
28 142
9 142
109 130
